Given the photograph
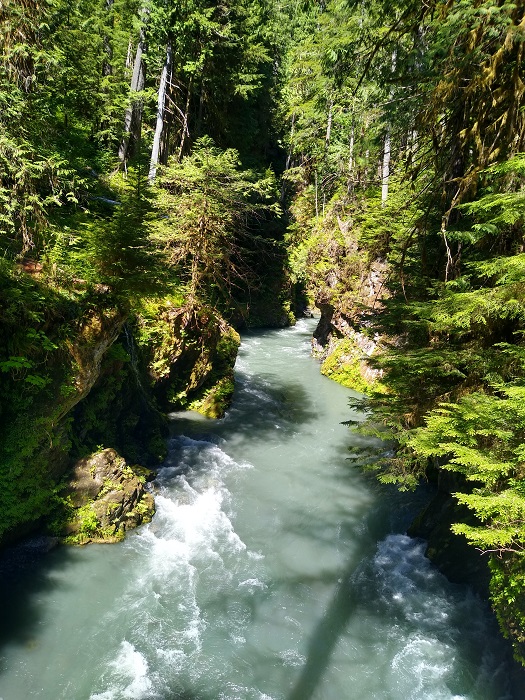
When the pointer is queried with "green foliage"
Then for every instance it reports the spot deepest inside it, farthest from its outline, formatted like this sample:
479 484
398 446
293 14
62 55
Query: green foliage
481 436
58 110
506 589
119 250
215 400
206 204
404 141
80 233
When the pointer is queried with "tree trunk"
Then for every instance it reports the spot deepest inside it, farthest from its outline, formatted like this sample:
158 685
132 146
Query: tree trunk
292 134
328 128
350 185
316 195
385 173
107 68
133 115
351 153
185 132
161 106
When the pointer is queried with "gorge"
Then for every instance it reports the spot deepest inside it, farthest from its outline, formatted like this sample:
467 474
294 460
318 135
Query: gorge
184 184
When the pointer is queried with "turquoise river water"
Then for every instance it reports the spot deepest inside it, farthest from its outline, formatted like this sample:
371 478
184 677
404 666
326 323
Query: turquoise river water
273 570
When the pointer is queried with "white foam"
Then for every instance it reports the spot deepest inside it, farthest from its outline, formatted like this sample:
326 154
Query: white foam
421 669
409 583
291 657
191 552
240 692
129 673
253 583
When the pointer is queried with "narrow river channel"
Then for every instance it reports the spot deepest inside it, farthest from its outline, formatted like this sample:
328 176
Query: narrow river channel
272 570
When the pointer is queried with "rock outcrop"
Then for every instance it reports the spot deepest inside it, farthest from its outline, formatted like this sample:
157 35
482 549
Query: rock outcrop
104 498
190 364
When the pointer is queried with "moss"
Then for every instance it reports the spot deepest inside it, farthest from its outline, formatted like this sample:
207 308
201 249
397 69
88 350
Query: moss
215 400
103 498
188 355
120 411
216 394
343 365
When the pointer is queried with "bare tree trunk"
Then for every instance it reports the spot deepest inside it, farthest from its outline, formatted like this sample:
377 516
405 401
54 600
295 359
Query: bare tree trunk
351 152
316 196
133 115
161 106
128 56
350 184
107 68
292 134
185 132
385 172
328 127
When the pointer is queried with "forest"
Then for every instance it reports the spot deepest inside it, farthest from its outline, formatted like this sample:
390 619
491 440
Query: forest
172 172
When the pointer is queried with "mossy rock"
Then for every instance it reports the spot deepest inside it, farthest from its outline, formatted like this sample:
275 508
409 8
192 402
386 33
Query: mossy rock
344 366
197 352
216 400
103 499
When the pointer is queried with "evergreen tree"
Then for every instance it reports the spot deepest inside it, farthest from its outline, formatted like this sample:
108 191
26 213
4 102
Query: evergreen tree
206 204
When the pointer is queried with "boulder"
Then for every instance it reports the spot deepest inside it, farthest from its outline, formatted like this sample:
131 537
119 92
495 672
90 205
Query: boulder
105 497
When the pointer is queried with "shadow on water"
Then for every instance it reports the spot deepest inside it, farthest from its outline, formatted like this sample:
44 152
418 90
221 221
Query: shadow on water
325 637
357 592
26 572
259 409
352 597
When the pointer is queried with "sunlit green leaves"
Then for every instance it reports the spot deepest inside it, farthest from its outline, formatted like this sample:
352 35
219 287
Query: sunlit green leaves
205 204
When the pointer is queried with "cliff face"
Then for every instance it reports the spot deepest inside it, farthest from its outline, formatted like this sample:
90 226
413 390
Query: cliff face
345 286
37 433
82 373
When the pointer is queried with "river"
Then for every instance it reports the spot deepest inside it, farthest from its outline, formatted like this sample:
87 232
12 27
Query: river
272 570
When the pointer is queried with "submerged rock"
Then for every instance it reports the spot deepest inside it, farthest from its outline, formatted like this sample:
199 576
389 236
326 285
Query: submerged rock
105 497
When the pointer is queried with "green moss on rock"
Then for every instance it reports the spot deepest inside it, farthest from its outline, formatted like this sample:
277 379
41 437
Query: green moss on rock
215 400
344 366
190 355
103 499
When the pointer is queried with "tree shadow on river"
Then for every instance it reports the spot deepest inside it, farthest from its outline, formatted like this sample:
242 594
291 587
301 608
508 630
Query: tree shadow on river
27 573
259 408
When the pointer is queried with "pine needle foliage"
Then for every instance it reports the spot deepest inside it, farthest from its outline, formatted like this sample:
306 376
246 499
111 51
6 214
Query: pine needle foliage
206 204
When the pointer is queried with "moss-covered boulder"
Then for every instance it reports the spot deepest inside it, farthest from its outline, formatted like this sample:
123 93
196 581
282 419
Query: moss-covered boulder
103 499
190 352
346 364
